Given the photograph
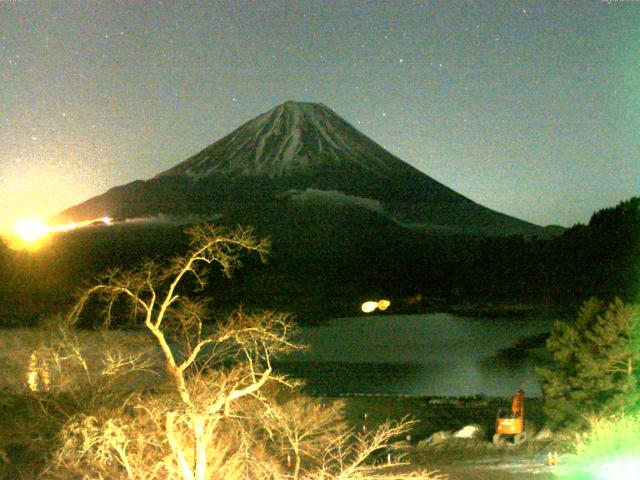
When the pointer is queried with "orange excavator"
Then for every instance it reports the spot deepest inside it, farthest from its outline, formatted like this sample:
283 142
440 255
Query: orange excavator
511 425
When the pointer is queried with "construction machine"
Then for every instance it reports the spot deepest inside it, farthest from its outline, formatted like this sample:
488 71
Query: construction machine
510 425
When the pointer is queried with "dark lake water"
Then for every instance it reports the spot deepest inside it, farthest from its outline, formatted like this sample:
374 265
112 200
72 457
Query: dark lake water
431 355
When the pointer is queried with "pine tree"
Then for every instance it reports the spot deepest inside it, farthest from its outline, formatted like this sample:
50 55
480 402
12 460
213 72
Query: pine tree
595 366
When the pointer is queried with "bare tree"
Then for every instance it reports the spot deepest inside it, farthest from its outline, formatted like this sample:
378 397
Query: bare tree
154 290
217 418
247 342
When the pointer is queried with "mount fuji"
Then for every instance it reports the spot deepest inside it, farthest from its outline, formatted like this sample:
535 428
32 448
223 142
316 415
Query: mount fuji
300 157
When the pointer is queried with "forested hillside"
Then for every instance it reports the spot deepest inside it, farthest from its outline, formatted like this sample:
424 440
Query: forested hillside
601 258
315 274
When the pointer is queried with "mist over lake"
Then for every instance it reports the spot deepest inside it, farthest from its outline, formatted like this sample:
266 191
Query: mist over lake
432 355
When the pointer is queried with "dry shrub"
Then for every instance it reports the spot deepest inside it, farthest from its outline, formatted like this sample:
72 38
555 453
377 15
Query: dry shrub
140 447
51 374
74 376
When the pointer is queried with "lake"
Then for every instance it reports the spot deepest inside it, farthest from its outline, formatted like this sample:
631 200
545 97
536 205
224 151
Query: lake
432 355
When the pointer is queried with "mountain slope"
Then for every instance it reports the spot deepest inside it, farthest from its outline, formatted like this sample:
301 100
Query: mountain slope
301 153
293 137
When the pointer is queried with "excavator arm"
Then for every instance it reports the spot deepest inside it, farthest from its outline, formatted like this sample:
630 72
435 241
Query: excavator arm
517 405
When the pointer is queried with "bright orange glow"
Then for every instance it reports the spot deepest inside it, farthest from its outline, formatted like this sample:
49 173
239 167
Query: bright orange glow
31 231
383 304
368 307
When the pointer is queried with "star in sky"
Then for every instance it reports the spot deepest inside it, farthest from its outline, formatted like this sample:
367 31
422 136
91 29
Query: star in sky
121 91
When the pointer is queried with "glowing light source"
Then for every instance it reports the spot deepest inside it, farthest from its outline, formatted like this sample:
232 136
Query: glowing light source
368 307
620 468
30 231
383 304
609 450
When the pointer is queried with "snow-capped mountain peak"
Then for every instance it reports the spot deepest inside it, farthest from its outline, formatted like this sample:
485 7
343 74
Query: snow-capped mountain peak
290 138
300 155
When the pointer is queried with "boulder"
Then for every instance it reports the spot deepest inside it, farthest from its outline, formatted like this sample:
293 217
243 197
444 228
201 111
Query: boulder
474 432
435 439
543 435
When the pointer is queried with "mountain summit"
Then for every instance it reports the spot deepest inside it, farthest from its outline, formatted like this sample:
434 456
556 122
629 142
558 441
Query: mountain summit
301 157
289 139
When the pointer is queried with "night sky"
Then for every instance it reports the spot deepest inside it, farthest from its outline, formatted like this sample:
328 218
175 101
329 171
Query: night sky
529 108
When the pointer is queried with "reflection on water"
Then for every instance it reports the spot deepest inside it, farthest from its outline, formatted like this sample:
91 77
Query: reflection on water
333 378
435 354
